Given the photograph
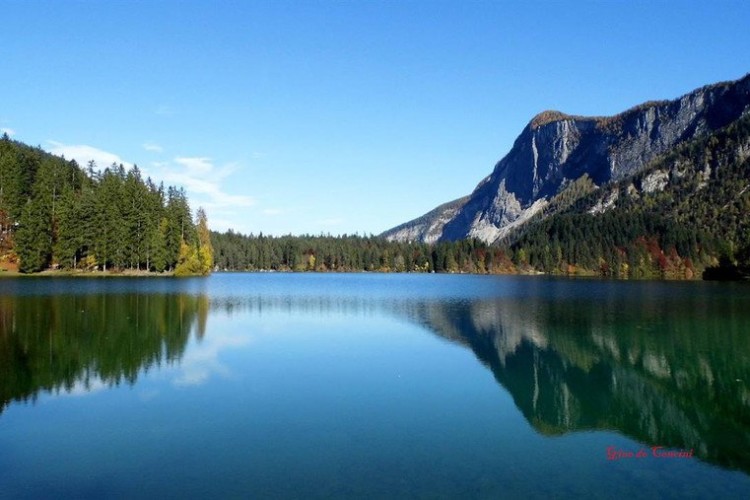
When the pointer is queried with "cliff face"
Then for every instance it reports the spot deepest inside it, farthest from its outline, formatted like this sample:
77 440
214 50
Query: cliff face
555 149
429 227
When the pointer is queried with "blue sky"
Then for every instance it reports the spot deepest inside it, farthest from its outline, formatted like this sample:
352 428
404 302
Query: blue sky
338 117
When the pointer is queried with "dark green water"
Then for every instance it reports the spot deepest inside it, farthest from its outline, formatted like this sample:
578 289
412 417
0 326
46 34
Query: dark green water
387 386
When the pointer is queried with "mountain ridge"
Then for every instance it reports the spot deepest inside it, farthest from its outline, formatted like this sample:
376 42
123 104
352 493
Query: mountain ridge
556 149
686 212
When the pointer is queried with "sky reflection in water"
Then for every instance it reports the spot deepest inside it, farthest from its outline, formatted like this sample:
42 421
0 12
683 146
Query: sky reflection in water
340 385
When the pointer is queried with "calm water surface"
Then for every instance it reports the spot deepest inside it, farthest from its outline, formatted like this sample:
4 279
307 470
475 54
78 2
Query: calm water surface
320 386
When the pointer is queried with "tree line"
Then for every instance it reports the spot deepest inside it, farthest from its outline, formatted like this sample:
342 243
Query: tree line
353 253
54 214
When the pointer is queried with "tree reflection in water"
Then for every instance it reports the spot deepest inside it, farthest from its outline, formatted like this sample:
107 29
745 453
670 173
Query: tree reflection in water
671 372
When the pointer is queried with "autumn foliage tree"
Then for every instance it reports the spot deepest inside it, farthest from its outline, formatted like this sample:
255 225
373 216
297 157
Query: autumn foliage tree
198 257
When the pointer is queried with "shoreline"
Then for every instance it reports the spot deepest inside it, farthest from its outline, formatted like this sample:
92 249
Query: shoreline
130 273
54 273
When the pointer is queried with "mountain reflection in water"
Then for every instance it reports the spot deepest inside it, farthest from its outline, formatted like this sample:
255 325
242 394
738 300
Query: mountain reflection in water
665 372
673 375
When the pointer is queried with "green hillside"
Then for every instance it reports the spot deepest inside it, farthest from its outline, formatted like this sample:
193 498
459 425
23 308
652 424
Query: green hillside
686 212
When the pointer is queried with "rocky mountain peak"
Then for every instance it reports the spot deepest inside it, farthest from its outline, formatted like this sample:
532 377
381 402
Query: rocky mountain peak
546 117
555 149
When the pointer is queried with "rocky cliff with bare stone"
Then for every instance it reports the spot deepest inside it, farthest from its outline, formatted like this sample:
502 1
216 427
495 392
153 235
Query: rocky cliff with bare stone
555 150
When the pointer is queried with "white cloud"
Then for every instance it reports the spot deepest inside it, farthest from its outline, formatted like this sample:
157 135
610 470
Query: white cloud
224 223
204 182
8 131
198 175
195 165
82 154
153 147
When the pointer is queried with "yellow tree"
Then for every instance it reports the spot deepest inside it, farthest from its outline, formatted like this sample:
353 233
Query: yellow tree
188 263
205 250
196 259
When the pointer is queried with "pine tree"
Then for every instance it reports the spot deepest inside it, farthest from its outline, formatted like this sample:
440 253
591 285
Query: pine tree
38 221
34 237
69 238
133 217
158 247
179 227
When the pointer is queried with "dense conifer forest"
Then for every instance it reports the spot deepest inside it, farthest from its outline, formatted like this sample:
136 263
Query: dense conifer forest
353 253
54 214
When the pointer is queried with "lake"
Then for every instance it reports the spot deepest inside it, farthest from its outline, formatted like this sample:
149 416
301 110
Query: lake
373 385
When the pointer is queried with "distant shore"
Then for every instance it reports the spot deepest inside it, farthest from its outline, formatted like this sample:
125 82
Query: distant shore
78 273
714 274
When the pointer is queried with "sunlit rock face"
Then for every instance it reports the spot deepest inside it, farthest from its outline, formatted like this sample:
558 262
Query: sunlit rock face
555 149
429 227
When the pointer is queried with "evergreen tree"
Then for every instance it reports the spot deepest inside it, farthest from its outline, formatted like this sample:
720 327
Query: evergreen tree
69 238
34 237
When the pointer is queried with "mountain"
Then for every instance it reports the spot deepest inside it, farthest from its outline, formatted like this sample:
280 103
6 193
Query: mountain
685 213
429 227
558 154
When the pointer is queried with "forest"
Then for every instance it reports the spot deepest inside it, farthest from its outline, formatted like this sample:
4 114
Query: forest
56 215
354 253
699 221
